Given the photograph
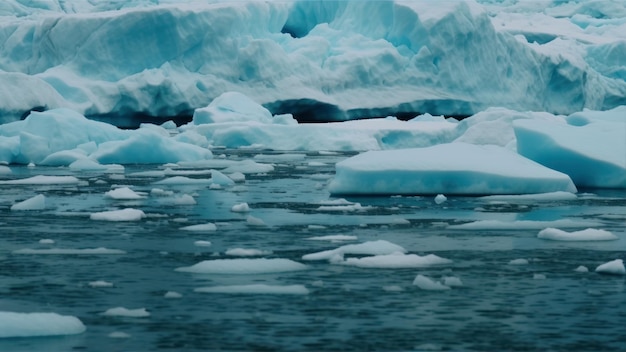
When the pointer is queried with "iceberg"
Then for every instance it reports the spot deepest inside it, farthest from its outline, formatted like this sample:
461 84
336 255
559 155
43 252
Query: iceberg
454 168
331 60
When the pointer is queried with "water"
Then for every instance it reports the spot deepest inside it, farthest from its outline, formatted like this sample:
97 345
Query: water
500 306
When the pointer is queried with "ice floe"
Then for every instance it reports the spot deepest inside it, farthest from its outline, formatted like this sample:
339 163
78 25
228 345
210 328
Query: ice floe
14 324
582 235
614 267
127 214
70 251
428 284
125 312
244 266
37 202
260 289
395 260
123 193
367 248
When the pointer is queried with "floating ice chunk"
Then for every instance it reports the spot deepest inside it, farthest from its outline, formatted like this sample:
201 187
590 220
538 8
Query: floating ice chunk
244 252
202 244
85 164
333 238
582 269
378 247
393 288
221 179
182 180
5 170
172 294
184 199
583 235
567 149
127 214
240 208
157 192
248 167
262 289
396 260
37 202
452 281
279 158
523 224
123 193
539 277
254 221
440 198
428 284
237 177
119 335
38 324
338 201
70 251
231 107
520 261
100 283
466 169
343 208
43 180
46 241
209 227
244 266
125 312
316 227
615 267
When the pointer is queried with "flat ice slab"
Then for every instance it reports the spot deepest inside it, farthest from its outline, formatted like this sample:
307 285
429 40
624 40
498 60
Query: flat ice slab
454 168
38 324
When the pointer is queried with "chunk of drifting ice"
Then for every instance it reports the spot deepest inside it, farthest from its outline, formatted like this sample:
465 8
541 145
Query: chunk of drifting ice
124 312
465 169
428 284
237 177
43 180
221 179
378 247
615 267
46 241
343 208
172 294
582 269
244 252
210 227
261 289
583 235
184 199
452 281
38 324
244 266
248 167
333 238
254 221
123 193
119 335
37 202
396 260
127 214
568 149
232 107
85 164
182 180
522 224
540 197
202 244
5 170
100 283
240 208
520 261
440 198
70 251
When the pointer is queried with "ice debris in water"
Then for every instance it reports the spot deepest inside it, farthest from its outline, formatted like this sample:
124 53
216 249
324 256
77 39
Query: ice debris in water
246 252
119 335
127 214
240 208
37 202
14 324
582 269
209 227
520 261
244 266
125 312
123 193
202 243
614 267
583 235
100 283
428 284
172 294
254 221
259 289
440 198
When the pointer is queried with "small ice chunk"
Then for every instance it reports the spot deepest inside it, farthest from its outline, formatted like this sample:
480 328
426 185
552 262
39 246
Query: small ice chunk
221 179
209 227
5 170
100 283
520 261
393 288
37 202
172 294
158 192
70 251
254 221
396 260
452 281
440 198
615 267
237 177
316 227
123 193
202 243
184 199
240 208
244 266
551 233
428 284
582 269
378 247
127 214
119 335
244 252
46 241
333 238
263 289
124 312
38 324
182 180
43 180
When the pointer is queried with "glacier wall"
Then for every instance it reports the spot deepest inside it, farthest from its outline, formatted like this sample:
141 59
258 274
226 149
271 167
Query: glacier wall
320 60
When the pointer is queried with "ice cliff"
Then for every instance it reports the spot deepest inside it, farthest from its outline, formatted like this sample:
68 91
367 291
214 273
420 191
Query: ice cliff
320 60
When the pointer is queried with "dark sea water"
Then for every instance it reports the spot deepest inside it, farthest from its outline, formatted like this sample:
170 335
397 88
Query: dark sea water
544 305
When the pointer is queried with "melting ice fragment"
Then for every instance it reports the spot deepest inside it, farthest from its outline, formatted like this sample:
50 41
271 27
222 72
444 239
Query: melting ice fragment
262 289
37 202
465 169
367 248
38 324
244 266
209 227
614 267
428 284
127 214
396 261
583 235
43 180
125 312
123 193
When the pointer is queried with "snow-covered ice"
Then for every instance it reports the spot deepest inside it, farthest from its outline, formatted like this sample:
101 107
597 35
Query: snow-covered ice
246 252
125 312
379 247
202 243
524 224
582 235
614 267
37 202
244 266
123 193
428 284
42 180
465 169
208 227
127 214
70 251
100 283
260 289
395 260
240 208
14 324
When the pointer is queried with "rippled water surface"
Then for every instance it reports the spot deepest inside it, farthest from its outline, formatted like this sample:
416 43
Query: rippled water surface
539 306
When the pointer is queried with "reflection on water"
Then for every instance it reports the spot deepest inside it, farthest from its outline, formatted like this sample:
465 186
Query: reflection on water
539 306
